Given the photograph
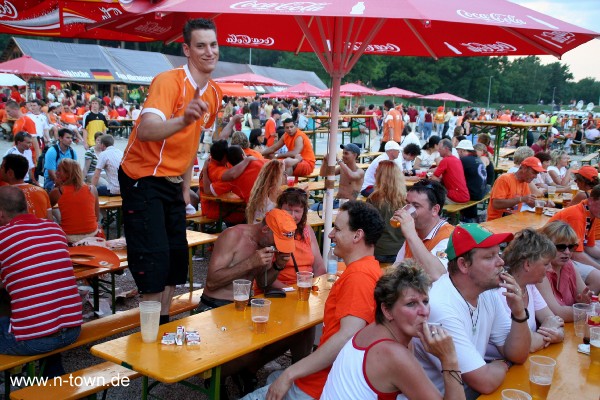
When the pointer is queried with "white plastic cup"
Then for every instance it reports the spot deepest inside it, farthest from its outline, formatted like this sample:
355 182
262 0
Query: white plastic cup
241 293
514 394
260 309
541 371
580 311
149 320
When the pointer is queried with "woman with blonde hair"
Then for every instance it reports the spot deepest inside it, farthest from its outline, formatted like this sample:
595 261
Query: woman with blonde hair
77 202
265 191
389 195
559 169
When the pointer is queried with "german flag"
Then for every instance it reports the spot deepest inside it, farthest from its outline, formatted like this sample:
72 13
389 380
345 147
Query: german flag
102 74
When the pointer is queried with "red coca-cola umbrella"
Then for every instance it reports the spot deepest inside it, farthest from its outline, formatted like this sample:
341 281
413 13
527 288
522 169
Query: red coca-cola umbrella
284 94
357 90
445 97
328 93
249 79
28 67
305 89
339 32
397 92
236 90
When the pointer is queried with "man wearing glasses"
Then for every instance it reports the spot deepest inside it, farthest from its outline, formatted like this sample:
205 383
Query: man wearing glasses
425 231
583 218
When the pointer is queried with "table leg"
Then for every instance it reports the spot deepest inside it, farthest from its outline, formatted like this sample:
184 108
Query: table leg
214 391
191 268
144 387
96 289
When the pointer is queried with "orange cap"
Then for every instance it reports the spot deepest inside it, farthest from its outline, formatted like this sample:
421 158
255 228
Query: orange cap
587 172
534 163
283 226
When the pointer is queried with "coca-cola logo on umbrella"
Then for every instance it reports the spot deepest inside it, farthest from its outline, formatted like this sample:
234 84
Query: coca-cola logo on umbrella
248 40
297 6
559 37
8 10
498 47
492 17
151 28
378 48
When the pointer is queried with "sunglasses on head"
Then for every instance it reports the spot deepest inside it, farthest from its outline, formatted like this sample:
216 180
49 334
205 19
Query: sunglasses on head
563 247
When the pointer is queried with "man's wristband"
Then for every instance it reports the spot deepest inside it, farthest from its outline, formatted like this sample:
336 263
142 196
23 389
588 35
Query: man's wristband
519 321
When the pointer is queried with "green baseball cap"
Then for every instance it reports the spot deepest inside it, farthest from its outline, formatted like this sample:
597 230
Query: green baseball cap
467 237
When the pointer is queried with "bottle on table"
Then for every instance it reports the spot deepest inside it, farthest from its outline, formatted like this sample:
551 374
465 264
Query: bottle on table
332 264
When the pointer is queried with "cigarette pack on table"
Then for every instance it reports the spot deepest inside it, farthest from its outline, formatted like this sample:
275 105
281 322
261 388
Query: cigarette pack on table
180 336
168 338
192 337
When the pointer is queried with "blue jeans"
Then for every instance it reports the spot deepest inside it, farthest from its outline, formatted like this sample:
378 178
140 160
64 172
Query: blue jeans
9 345
48 184
427 128
103 191
319 206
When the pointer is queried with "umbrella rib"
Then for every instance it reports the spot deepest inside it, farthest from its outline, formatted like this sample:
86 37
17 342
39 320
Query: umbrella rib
310 21
364 44
420 39
328 47
347 49
531 42
311 40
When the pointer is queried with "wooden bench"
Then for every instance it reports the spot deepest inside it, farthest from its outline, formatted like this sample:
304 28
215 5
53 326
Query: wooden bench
453 210
200 220
588 158
98 329
91 378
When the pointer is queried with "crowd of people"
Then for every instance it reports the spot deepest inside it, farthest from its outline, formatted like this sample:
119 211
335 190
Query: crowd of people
447 293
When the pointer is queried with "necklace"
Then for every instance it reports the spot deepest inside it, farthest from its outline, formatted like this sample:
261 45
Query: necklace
470 308
391 333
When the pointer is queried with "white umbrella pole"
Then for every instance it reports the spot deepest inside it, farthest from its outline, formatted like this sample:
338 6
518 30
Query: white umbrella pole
332 151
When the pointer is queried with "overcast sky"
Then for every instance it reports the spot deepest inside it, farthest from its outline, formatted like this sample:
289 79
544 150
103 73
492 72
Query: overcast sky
582 61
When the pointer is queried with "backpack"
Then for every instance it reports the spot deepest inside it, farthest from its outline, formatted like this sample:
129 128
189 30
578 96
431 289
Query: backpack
39 168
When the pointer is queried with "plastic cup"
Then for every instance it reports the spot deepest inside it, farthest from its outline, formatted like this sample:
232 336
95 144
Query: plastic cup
291 181
514 394
595 344
304 280
551 192
260 314
149 320
241 293
409 208
580 311
574 189
541 370
567 197
539 206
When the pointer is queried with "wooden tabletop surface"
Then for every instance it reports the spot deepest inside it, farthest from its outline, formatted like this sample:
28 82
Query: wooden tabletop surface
225 333
516 222
574 377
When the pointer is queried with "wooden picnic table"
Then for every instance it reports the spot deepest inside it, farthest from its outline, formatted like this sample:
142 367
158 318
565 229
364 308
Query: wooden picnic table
226 334
112 206
503 166
517 221
506 152
574 377
229 199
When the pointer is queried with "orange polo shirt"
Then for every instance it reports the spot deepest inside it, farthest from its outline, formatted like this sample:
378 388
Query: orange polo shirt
168 97
270 132
393 120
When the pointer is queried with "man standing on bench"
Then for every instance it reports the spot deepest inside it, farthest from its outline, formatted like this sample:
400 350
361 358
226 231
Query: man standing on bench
156 170
44 307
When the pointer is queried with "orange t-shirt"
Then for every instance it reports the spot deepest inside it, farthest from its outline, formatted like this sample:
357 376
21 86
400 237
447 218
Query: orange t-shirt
69 118
215 172
506 187
3 115
270 132
77 210
352 294
113 114
24 124
307 152
242 185
582 222
81 110
38 201
254 153
168 97
393 120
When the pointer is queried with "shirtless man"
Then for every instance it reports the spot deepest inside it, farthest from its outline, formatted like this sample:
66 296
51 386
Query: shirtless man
351 177
246 251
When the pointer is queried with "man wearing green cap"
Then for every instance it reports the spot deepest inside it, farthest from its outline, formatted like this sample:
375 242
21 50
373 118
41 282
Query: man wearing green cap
464 302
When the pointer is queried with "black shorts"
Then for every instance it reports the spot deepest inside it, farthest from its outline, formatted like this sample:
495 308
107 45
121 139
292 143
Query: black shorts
154 219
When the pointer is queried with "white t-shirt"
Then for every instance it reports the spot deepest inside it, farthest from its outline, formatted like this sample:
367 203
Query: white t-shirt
109 161
41 123
27 154
449 308
408 139
427 160
560 172
369 179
